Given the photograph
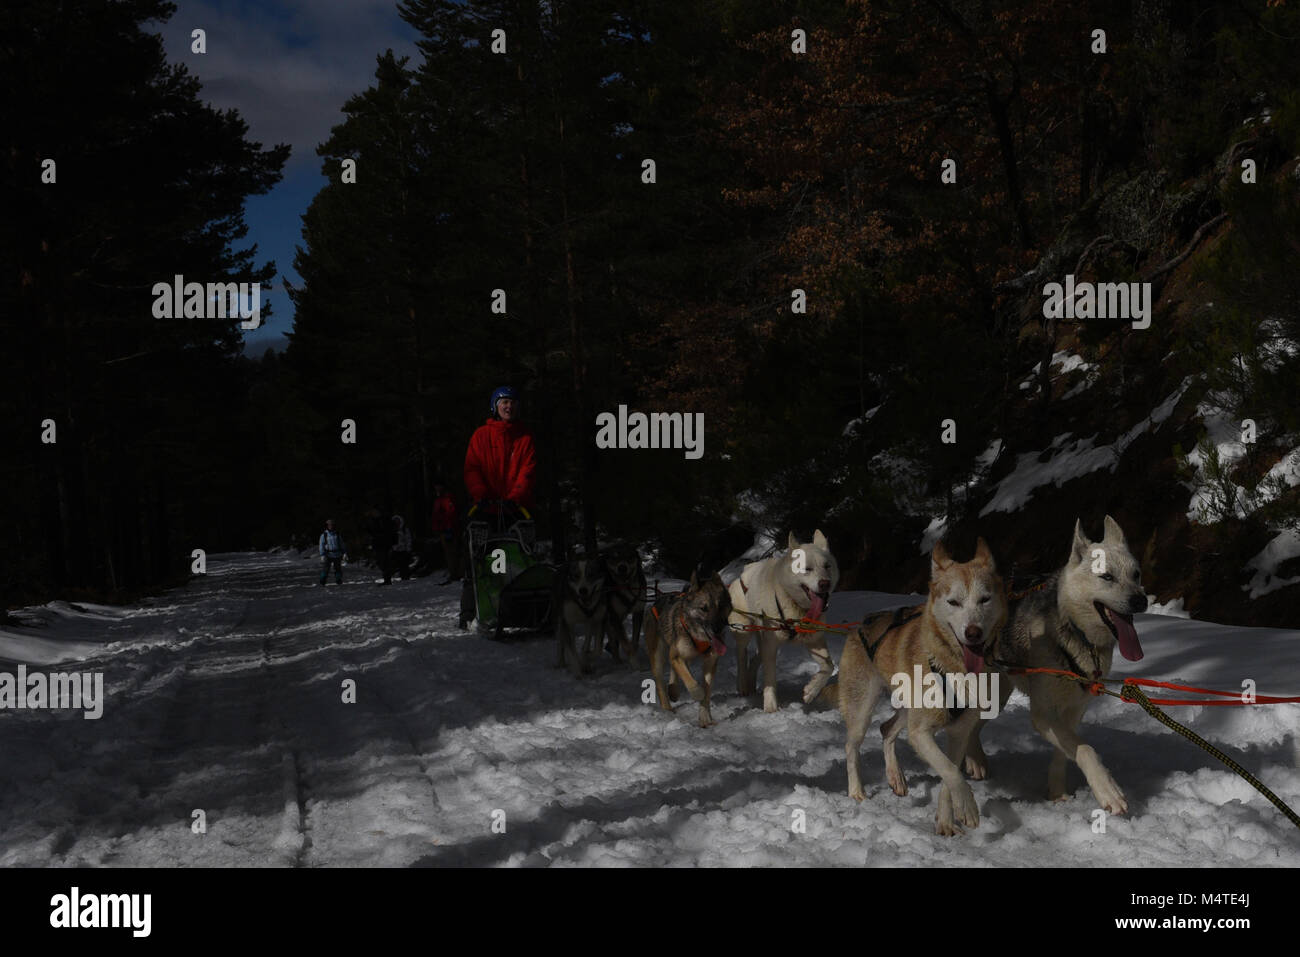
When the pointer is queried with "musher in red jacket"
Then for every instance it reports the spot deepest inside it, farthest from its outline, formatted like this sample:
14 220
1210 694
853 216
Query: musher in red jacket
500 466
501 462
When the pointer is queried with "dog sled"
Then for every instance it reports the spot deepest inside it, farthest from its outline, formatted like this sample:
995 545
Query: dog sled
506 584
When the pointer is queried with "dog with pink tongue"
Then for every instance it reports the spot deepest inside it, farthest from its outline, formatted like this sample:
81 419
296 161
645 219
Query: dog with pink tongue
1073 622
769 599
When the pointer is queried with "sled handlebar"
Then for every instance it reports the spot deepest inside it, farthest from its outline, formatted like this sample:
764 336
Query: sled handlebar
503 501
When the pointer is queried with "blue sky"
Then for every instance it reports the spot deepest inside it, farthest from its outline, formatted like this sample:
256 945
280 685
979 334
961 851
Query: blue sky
287 66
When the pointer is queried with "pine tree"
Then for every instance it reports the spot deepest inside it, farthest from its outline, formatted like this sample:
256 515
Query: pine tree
149 183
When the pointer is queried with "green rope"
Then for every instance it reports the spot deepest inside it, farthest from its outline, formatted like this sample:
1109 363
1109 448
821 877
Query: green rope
1131 692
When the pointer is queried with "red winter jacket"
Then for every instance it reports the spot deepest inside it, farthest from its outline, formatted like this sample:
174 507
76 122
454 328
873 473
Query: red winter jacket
501 462
444 514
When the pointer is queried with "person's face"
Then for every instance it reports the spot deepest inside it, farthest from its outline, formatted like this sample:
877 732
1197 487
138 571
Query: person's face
507 409
330 526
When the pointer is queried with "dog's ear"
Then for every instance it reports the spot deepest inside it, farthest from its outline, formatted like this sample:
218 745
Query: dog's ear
982 553
939 558
820 540
1079 548
694 582
792 542
1114 534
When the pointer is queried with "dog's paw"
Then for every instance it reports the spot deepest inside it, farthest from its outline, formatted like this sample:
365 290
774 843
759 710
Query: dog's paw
1108 795
897 780
965 810
812 689
977 767
943 819
769 700
706 719
857 793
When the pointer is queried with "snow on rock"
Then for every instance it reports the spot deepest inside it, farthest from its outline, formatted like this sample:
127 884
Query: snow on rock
938 526
460 750
1173 607
764 545
855 424
1064 362
935 531
1071 461
1285 545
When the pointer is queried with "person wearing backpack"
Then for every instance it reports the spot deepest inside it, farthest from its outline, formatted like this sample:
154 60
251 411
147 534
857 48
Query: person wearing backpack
332 552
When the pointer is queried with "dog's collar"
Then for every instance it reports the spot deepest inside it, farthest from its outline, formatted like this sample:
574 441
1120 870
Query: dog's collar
625 591
703 648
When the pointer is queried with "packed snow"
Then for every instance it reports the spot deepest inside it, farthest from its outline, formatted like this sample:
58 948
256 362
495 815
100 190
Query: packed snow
226 697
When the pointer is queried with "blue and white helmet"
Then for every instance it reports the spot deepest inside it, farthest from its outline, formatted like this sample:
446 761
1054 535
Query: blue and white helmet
505 392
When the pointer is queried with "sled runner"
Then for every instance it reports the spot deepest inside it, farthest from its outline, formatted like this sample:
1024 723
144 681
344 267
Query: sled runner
507 586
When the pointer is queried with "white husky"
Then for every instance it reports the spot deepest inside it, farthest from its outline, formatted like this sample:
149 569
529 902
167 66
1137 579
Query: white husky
794 584
1072 623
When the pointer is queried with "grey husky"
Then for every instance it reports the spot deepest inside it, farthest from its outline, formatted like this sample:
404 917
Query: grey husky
580 601
624 595
1073 623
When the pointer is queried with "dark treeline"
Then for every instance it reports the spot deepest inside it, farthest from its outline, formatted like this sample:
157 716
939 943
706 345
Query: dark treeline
147 460
522 171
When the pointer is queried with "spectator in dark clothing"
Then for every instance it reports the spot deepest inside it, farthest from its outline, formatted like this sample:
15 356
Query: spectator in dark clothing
401 548
446 530
382 538
332 552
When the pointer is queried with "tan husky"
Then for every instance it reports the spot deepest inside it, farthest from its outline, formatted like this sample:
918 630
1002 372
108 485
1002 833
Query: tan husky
932 656
682 628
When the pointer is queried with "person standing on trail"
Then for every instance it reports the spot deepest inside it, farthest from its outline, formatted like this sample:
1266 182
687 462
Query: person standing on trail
444 530
501 462
401 548
332 551
382 538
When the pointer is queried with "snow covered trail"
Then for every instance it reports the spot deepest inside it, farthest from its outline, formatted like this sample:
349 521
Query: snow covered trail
227 696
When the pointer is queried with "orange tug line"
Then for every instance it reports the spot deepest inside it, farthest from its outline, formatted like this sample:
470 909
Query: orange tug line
1131 691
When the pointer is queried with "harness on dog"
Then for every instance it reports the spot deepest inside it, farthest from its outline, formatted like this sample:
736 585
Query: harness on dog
901 618
780 613
703 647
954 712
1071 662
